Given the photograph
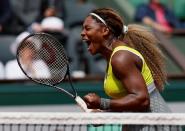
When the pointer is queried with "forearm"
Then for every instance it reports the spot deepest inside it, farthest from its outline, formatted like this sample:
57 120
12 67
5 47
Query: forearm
130 103
149 21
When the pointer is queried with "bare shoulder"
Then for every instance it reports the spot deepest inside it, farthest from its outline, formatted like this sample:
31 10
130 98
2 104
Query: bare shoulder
123 62
123 57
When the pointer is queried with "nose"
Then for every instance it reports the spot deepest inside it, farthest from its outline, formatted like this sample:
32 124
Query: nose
83 33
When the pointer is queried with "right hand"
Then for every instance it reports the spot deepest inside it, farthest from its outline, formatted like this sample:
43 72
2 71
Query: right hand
92 100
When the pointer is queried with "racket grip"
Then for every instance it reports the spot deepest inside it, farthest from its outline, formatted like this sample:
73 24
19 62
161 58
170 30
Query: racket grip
82 104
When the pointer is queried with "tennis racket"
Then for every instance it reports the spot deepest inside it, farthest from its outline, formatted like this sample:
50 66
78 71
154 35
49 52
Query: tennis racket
42 59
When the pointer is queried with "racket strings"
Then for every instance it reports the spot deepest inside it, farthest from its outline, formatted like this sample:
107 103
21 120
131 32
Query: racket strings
45 57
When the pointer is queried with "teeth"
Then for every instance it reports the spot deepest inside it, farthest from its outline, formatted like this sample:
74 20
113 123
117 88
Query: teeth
84 40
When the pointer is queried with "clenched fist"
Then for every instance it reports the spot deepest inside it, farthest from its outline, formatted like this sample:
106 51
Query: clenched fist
92 100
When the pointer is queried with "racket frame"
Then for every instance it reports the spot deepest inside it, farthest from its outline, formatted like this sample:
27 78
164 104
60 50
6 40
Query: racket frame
67 74
77 98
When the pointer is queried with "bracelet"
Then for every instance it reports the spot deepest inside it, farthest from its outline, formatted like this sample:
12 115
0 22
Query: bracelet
104 104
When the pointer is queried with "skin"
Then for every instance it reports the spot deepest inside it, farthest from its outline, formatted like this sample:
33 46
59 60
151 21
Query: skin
49 12
1 28
125 65
27 57
156 1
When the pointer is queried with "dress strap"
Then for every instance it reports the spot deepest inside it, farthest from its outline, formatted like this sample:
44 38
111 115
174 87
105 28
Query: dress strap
151 87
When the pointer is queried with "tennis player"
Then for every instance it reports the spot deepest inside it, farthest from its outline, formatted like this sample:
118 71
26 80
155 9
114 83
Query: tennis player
135 70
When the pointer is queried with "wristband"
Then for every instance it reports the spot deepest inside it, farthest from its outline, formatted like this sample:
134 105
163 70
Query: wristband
104 104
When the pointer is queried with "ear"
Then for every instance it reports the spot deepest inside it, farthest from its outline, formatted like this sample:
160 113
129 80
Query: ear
105 31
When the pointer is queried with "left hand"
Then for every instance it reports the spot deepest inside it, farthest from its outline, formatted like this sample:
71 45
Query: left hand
92 100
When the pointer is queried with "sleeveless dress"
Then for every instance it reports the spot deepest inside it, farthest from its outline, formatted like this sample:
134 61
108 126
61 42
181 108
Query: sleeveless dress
114 89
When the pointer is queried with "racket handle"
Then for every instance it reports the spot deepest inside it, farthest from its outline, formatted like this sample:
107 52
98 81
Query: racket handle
82 104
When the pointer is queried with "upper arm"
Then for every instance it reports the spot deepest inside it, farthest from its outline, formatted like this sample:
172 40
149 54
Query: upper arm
124 67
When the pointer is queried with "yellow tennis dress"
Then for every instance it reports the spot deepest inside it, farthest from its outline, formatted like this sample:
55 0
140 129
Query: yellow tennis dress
115 89
113 86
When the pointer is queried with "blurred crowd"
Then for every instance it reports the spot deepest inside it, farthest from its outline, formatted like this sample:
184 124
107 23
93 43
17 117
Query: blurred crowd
158 16
63 19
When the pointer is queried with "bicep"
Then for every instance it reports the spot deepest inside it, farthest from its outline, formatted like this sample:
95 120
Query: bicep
133 81
129 75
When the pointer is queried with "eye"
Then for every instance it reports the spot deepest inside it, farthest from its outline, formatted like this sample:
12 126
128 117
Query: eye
88 28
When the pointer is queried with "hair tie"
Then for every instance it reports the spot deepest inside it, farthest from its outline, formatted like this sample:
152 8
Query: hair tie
125 29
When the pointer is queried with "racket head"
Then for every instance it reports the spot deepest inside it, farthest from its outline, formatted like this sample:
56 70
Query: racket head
41 51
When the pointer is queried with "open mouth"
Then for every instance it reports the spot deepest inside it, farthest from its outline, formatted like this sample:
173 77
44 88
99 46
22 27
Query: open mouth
88 42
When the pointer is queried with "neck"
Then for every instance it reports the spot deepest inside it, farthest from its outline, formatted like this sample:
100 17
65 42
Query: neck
107 48
118 43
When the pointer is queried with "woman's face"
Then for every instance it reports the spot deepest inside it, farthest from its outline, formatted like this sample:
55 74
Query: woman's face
92 34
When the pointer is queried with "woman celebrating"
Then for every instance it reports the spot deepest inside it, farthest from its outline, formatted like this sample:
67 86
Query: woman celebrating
135 70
